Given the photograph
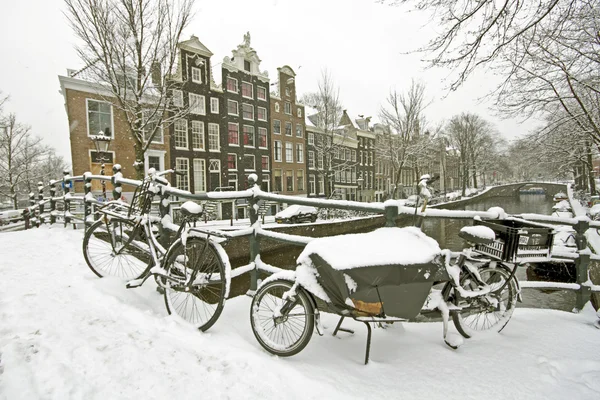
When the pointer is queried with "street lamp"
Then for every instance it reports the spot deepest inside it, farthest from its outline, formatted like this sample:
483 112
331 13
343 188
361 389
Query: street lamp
101 142
360 183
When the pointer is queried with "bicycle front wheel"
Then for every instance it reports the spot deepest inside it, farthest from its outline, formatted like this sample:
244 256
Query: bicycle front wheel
196 284
282 326
490 312
116 248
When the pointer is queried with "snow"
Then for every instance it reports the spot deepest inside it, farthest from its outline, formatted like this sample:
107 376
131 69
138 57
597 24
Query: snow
65 334
192 208
295 209
384 246
479 231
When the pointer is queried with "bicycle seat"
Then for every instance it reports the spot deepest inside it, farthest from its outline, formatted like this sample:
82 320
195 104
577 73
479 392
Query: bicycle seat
477 234
191 209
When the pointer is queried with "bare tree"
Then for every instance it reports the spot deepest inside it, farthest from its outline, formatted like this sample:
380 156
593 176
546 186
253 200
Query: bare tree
131 48
331 139
19 150
404 143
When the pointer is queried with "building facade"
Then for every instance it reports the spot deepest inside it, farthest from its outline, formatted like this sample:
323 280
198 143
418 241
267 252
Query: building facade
288 137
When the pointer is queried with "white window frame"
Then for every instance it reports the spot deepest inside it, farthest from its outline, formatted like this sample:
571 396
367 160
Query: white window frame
232 178
238 132
202 136
276 107
202 162
275 158
258 113
214 105
301 131
186 134
87 117
261 160
237 107
177 98
287 108
180 170
253 136
243 116
237 86
247 156
251 90
312 185
199 71
277 133
197 104
299 153
299 112
266 179
303 181
236 161
311 165
288 173
258 88
266 138
290 146
154 153
213 125
311 138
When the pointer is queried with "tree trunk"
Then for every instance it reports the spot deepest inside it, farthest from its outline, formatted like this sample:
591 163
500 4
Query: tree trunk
139 161
464 177
474 176
590 169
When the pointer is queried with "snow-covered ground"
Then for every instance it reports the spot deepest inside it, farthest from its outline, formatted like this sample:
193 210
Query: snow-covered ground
65 334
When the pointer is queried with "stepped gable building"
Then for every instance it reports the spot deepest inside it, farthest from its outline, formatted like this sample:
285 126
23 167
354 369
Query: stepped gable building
246 118
91 108
288 137
197 140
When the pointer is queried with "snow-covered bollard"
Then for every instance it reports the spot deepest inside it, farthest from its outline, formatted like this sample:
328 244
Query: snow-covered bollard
254 245
115 181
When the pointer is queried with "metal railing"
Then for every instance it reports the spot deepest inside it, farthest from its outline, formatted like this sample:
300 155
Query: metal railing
390 209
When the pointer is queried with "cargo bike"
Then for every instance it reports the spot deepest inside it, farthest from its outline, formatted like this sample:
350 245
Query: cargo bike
395 274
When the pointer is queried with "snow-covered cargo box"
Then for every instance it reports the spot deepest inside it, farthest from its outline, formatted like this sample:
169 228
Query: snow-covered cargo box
517 241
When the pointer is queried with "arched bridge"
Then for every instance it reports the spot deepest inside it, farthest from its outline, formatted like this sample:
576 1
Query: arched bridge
513 189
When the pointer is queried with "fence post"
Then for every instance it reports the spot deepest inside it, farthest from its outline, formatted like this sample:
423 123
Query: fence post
67 201
40 186
32 211
117 189
254 241
52 202
87 189
581 265
391 213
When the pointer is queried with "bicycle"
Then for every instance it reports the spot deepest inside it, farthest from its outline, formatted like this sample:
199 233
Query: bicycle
194 272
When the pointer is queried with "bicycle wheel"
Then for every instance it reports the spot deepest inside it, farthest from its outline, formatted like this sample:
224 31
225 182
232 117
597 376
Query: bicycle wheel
201 301
108 250
490 312
282 332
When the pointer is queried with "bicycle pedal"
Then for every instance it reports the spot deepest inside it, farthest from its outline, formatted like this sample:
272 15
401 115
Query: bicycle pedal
135 283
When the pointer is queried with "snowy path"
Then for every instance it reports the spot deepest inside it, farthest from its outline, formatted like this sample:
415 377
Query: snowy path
65 334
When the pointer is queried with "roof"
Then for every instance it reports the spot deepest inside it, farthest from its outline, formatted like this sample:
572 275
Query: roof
195 46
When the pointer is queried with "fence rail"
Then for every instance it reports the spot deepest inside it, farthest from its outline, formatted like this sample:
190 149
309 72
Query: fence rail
390 209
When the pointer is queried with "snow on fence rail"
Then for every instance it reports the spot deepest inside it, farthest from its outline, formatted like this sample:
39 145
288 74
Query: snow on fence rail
390 209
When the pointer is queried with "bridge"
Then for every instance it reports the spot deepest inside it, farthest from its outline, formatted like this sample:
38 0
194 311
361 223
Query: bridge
512 189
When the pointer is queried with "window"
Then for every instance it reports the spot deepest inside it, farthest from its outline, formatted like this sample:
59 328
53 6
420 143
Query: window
232 107
311 138
183 178
196 75
199 175
231 162
214 105
213 137
277 180
233 134
288 108
361 157
261 113
276 107
150 121
277 150
311 159
197 105
288 129
372 157
299 112
232 181
287 91
249 162
289 152
299 153
300 179
154 162
299 132
311 184
177 98
248 136
214 169
247 111
264 163
261 93
181 137
277 126
265 184
99 116
289 181
247 65
232 85
246 90
262 138
198 135
342 154
321 163
321 185
353 155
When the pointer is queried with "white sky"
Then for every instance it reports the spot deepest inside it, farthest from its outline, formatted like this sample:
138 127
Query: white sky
359 41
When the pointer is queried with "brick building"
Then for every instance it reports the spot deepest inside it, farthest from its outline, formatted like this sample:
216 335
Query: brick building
288 137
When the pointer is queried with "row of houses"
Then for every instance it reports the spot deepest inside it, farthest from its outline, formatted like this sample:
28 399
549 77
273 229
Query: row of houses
239 122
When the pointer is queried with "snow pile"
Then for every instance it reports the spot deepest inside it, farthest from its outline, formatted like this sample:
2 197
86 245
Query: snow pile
384 246
479 231
67 335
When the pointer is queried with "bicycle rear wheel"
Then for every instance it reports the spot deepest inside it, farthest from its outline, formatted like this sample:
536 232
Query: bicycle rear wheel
490 312
282 327
116 248
201 301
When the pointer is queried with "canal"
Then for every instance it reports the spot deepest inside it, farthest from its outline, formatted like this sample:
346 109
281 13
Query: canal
445 231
